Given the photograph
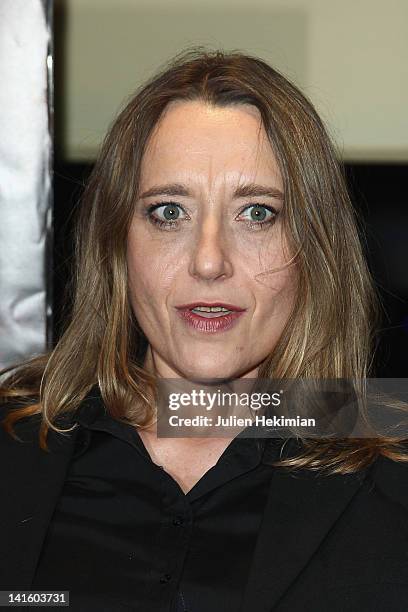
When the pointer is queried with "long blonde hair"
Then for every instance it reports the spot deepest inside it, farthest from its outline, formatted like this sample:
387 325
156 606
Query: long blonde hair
331 332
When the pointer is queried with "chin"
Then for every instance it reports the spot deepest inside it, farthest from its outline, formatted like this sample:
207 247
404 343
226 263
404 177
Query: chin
199 373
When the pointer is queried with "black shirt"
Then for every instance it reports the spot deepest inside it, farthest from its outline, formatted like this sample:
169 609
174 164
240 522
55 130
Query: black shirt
125 536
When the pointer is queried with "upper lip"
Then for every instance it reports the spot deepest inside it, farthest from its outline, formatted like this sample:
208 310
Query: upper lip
209 305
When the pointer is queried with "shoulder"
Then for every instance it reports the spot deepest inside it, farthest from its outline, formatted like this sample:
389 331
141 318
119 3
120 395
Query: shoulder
382 484
25 429
390 479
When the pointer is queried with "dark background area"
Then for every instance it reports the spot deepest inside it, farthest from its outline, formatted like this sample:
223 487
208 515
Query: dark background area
379 194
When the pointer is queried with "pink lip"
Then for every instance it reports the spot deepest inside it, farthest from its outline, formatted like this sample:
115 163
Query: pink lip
207 325
221 304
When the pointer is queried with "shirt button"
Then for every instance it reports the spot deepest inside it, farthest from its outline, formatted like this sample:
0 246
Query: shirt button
178 520
165 578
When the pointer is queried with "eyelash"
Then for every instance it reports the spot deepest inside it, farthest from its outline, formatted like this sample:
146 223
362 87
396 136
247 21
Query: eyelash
169 224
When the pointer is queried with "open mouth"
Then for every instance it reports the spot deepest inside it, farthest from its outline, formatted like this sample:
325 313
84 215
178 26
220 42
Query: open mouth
210 313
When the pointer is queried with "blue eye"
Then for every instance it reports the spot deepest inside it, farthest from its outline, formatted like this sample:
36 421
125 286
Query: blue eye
171 213
260 215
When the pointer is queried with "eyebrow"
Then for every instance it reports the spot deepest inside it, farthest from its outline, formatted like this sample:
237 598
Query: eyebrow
243 191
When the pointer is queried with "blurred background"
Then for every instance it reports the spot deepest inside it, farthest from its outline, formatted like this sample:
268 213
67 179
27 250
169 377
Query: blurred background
350 57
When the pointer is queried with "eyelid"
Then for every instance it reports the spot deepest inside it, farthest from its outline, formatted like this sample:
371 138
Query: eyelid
153 207
149 211
272 209
156 205
262 223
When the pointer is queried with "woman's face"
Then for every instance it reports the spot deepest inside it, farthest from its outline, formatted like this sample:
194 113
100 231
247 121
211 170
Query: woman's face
207 222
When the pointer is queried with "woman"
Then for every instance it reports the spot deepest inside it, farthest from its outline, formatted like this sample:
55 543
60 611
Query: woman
216 188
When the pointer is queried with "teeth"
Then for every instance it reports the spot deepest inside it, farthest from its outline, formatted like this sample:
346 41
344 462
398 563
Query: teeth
211 309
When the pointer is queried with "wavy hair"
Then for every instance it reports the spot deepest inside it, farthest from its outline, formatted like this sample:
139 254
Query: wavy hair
331 331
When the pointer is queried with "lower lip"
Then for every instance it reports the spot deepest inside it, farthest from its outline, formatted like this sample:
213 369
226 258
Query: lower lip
210 325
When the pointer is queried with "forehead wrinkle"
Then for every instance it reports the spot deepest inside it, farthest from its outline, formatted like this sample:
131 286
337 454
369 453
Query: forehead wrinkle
210 181
244 176
212 184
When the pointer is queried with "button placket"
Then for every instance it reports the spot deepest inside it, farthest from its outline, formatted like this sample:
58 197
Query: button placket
178 521
164 578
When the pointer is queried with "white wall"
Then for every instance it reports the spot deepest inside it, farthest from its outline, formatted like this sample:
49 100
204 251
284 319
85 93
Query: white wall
349 56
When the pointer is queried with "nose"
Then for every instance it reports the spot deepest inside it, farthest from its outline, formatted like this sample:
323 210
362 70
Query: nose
210 257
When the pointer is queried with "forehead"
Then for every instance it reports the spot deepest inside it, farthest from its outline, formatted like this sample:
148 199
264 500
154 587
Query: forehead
194 138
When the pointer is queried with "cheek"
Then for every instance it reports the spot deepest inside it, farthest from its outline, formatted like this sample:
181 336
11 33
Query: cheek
150 274
262 251
139 275
273 282
275 294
